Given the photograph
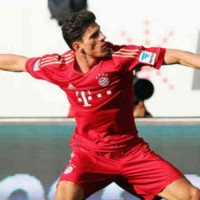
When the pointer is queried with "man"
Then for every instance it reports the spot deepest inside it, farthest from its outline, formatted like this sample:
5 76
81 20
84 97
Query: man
97 78
140 110
143 90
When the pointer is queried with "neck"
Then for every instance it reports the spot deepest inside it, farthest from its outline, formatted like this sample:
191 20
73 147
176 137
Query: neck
85 63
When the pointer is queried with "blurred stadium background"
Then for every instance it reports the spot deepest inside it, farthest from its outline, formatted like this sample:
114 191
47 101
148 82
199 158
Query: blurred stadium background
34 151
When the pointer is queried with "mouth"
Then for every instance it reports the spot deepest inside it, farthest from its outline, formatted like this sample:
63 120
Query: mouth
104 46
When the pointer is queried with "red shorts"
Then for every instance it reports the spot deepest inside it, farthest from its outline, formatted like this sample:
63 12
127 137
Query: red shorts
138 170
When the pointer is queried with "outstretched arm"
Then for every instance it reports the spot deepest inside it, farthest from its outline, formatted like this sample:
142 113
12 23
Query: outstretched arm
174 56
11 62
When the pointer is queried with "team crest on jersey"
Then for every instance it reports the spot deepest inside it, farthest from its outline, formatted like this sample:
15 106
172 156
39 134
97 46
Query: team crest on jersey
103 80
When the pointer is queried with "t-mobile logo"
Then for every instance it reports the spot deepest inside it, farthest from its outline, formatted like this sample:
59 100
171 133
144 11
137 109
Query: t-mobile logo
86 97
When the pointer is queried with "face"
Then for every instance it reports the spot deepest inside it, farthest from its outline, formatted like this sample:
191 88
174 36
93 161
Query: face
93 42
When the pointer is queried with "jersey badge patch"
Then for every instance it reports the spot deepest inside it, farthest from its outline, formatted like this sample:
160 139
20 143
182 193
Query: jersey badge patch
36 66
147 57
103 79
69 169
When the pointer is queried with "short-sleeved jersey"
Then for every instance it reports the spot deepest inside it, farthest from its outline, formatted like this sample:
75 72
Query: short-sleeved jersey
102 98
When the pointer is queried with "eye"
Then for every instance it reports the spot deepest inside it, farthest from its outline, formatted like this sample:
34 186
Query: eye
96 34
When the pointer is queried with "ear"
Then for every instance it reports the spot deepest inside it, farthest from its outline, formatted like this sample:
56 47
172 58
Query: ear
77 46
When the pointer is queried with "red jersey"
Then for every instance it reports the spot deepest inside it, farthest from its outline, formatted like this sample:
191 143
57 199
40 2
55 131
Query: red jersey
102 98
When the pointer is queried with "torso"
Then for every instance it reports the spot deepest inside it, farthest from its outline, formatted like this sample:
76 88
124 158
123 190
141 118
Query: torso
102 100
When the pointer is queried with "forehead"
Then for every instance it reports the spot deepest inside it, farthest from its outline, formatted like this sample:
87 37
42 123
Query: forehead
91 30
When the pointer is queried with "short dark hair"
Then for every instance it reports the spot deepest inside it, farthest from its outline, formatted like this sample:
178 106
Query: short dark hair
74 26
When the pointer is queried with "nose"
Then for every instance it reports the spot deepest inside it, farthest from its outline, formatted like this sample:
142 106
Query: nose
102 36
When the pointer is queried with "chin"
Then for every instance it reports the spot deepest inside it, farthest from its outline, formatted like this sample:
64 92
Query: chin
104 53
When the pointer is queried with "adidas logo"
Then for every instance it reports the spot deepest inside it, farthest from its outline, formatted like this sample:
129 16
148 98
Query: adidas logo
71 87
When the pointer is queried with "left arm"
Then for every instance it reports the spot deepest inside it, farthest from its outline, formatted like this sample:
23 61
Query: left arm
174 56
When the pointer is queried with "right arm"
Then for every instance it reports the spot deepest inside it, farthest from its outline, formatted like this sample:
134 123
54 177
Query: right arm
12 62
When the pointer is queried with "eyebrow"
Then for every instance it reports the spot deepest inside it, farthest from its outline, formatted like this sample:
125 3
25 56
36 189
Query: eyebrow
92 35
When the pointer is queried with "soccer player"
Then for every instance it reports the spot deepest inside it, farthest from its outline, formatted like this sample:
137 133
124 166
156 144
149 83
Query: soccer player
97 78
